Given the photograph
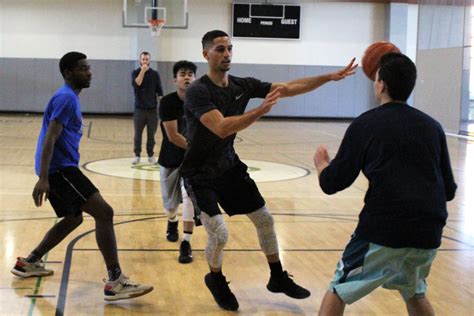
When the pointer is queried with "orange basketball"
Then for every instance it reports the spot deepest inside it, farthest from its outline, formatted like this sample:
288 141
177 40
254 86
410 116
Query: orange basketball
372 55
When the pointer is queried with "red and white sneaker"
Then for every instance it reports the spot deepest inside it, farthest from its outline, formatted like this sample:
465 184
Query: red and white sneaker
25 269
124 288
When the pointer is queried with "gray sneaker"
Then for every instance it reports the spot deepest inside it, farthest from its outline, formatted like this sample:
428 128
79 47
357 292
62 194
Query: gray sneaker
123 288
25 269
152 160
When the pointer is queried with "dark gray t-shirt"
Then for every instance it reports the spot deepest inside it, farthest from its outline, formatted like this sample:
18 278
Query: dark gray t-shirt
145 94
171 109
208 156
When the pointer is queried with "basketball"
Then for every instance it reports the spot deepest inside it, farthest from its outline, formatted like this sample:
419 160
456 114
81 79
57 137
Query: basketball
372 56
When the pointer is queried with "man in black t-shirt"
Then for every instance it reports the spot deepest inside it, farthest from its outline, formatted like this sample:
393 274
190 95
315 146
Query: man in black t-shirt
173 128
404 155
147 88
213 173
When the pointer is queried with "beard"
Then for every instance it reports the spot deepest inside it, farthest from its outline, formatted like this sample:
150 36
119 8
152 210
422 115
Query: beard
224 67
82 84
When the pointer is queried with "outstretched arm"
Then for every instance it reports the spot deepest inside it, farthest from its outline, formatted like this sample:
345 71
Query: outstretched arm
226 126
303 85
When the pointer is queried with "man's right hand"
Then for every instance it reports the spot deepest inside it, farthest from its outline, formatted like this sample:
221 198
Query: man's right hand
270 100
144 67
321 159
41 190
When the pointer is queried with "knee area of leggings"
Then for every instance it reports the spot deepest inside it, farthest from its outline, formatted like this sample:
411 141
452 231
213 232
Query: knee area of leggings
74 220
269 221
264 219
222 235
106 213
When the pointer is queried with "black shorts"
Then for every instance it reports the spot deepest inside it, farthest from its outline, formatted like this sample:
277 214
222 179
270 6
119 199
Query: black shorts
234 191
69 189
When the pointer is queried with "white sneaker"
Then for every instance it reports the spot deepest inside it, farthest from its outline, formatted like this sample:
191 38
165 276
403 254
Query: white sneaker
124 288
136 160
25 269
152 160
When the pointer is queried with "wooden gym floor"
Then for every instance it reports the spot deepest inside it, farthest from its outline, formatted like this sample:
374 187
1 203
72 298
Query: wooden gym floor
313 229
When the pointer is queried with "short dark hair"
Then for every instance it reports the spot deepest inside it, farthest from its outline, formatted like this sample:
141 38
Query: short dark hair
399 74
184 64
144 53
209 37
69 61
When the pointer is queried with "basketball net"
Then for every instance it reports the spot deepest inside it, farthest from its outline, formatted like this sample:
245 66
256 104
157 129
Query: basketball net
155 26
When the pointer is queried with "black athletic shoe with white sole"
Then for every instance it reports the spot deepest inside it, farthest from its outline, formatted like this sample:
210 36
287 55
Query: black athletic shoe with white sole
219 288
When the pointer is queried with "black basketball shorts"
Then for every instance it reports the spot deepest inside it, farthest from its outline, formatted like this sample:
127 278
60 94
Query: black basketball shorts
234 191
69 189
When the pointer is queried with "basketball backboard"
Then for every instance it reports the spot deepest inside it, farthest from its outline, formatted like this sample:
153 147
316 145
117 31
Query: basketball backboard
136 13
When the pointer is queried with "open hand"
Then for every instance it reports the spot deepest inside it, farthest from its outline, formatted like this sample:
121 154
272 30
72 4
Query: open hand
41 191
349 70
270 100
321 158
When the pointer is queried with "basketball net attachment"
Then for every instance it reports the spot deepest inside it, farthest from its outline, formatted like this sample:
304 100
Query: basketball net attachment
155 26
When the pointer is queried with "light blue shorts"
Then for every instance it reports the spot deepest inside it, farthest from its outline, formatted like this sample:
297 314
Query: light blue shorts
365 266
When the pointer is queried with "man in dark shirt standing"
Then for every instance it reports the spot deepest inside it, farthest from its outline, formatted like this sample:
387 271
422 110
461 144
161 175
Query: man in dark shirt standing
404 155
213 173
173 128
146 87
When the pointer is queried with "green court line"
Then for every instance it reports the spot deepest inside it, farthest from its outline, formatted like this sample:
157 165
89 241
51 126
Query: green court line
37 285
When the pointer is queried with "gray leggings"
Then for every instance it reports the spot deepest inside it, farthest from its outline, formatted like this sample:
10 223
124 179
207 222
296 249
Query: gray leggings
217 235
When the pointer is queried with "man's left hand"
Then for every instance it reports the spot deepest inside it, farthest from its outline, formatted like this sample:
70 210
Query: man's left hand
349 70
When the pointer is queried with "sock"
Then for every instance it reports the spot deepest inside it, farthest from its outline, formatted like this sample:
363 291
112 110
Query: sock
114 272
187 236
32 257
174 219
217 274
275 268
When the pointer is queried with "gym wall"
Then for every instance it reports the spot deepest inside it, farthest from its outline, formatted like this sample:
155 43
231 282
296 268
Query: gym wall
35 34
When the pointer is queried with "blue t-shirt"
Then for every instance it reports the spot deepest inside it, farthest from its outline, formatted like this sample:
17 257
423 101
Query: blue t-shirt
63 107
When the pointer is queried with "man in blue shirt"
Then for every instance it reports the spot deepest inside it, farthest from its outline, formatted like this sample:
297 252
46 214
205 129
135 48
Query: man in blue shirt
69 191
404 155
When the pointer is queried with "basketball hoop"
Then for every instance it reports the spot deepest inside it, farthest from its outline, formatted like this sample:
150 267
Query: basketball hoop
155 26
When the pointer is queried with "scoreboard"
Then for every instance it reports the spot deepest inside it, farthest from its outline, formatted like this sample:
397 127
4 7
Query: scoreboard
277 21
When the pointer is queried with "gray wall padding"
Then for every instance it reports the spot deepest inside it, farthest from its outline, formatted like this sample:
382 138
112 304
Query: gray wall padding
439 82
27 84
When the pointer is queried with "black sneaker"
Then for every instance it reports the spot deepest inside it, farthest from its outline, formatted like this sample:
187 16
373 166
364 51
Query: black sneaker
172 231
185 252
284 284
219 288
